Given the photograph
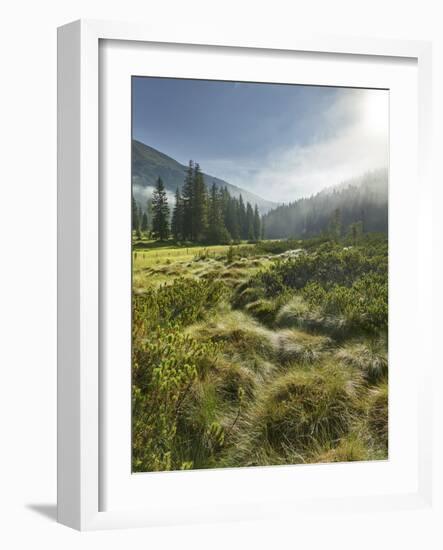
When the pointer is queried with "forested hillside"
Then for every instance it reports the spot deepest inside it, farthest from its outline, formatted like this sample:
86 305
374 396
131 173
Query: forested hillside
199 214
361 202
148 165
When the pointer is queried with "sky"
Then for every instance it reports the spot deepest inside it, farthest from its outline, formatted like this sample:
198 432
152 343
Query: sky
279 141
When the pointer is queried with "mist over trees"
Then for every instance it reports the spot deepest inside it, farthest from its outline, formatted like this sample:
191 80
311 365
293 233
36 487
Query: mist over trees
212 215
359 205
199 214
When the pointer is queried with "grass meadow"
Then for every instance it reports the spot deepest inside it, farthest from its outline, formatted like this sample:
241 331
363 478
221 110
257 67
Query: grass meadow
259 354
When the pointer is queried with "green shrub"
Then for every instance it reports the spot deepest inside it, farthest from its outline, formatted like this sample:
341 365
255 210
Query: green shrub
342 267
181 303
164 367
364 304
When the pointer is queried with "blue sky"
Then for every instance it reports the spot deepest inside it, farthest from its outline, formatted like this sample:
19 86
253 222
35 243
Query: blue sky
279 141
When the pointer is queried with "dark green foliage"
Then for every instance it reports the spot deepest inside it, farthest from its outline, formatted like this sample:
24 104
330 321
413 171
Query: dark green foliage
165 364
332 211
213 217
342 267
148 164
177 217
160 209
144 224
135 218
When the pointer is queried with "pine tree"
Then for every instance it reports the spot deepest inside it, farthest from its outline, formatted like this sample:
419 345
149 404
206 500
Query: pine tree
149 214
242 220
200 204
262 229
160 207
188 201
256 224
231 218
216 231
135 218
249 222
144 224
177 217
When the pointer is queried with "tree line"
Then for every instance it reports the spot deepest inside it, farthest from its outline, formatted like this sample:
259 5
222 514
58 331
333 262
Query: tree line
357 206
199 214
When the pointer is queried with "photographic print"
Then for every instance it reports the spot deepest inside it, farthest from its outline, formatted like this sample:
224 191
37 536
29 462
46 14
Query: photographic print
259 274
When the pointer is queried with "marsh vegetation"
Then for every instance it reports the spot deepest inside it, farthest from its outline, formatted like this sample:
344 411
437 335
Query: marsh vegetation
259 353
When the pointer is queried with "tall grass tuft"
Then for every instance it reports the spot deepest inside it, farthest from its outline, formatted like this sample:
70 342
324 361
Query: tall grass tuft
378 415
370 358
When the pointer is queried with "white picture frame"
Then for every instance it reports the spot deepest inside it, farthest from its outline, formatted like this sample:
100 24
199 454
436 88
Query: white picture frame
80 412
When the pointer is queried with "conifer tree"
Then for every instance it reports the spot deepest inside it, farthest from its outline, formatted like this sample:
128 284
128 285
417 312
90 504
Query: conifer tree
135 218
144 224
200 204
177 217
257 233
249 222
188 201
242 221
149 213
216 231
231 218
160 208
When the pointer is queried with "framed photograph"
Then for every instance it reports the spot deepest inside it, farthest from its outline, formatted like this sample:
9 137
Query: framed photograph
242 277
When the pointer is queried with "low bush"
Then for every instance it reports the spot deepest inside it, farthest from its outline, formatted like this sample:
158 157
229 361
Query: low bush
164 368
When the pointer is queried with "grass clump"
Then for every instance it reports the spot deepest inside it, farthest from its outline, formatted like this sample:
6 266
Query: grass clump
295 345
378 415
238 334
349 449
370 358
297 313
301 410
263 310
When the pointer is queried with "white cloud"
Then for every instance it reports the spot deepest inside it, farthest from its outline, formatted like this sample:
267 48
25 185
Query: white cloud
142 194
352 139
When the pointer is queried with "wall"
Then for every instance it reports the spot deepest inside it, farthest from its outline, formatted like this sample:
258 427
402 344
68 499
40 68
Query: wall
28 230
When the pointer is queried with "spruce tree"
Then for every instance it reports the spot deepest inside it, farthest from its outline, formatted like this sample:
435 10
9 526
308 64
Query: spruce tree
149 213
144 224
231 218
177 217
257 233
188 202
216 231
249 222
135 218
242 221
160 208
199 209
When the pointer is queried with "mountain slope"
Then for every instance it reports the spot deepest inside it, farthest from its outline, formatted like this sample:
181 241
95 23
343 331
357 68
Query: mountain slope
148 164
363 199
